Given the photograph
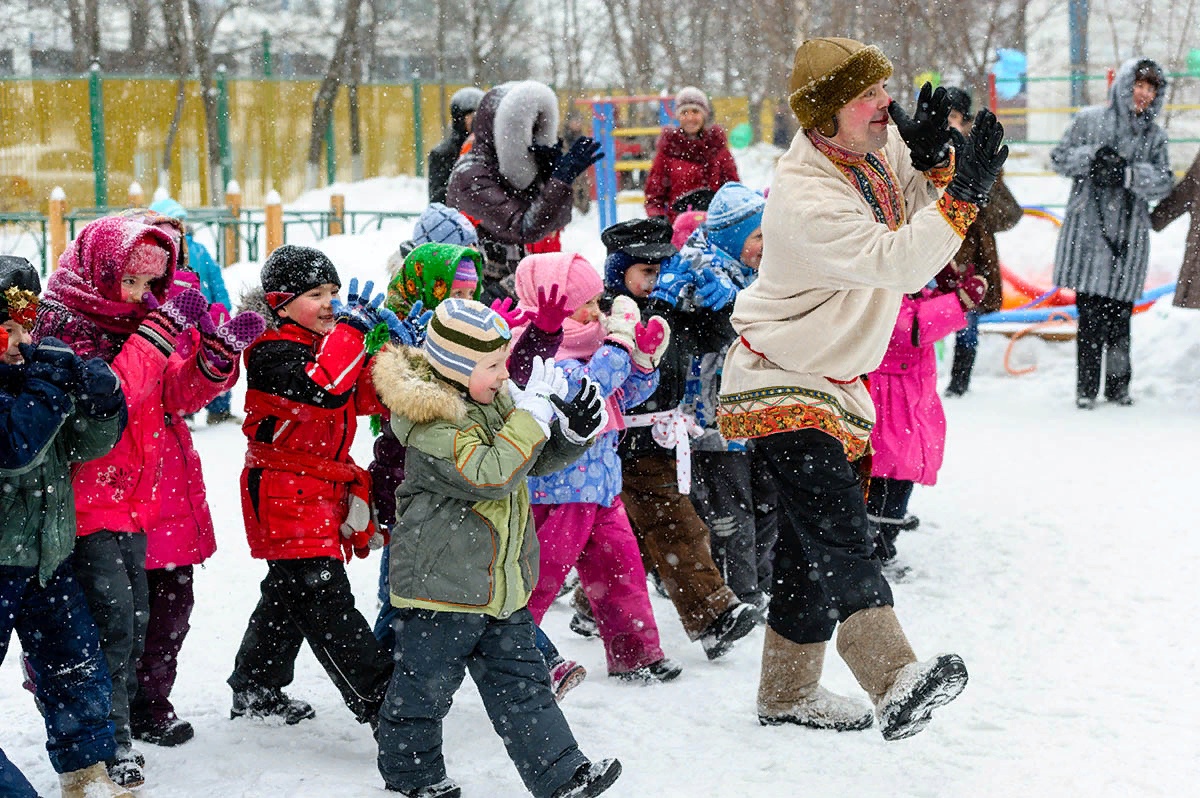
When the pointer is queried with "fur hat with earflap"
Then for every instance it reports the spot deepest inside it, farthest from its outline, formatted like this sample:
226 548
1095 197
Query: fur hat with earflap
829 72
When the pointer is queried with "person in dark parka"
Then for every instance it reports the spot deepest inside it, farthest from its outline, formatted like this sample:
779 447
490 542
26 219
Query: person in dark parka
1184 198
1116 155
442 158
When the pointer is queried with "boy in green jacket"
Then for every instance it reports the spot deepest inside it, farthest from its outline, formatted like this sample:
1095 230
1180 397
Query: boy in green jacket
464 555
55 411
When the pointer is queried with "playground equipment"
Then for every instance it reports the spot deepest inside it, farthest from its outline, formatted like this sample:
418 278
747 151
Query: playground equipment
605 131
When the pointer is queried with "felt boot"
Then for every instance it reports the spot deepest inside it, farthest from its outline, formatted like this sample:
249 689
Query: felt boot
91 782
789 689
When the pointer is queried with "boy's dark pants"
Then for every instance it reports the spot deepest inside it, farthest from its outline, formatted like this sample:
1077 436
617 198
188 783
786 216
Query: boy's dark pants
1104 337
433 652
171 603
739 507
13 783
310 599
111 569
824 569
63 648
674 542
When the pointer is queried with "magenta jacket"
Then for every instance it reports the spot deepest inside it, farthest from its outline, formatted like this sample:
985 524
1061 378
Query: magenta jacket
124 490
909 437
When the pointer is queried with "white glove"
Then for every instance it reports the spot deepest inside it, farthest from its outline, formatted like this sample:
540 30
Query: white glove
545 380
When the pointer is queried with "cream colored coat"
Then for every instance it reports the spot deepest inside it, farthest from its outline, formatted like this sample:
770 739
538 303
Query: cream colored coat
829 288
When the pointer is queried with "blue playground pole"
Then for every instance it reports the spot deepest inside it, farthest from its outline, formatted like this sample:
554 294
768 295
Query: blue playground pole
603 123
666 111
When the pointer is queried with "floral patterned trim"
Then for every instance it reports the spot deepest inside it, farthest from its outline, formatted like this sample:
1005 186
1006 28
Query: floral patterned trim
959 214
790 418
941 176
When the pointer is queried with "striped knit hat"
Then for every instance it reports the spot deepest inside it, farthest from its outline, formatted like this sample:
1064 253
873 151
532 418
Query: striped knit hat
459 334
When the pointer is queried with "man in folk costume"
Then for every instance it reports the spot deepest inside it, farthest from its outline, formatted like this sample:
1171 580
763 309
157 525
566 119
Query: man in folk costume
858 215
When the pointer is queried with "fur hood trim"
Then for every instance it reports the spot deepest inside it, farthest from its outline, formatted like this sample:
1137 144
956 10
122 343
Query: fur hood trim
526 114
256 299
408 387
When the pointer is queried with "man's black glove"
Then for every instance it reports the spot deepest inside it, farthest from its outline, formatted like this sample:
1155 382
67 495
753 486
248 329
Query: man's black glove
584 415
1107 169
54 362
100 394
575 161
927 131
978 160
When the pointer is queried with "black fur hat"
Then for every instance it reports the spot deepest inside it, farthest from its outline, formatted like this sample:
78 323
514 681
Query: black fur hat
292 270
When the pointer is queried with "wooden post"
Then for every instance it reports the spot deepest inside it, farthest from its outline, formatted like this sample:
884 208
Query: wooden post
274 222
233 203
337 204
58 225
136 197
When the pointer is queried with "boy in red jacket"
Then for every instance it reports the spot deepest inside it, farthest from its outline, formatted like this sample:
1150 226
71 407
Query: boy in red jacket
304 500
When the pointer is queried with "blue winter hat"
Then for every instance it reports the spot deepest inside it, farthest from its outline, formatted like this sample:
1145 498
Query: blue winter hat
169 207
614 272
440 224
734 213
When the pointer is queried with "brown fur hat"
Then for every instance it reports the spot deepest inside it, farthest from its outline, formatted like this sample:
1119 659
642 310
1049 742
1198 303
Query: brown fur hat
828 73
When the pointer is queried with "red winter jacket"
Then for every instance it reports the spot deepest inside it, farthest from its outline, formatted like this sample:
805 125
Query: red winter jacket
682 164
304 392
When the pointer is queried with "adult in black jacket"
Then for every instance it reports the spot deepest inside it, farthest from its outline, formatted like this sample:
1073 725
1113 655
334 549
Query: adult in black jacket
463 105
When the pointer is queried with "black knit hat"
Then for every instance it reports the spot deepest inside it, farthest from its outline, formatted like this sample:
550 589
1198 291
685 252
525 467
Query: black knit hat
292 270
959 100
19 289
644 240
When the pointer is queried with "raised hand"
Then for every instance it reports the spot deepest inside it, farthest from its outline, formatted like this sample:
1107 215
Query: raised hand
585 415
978 160
507 309
164 322
222 344
714 289
927 131
360 310
652 339
575 161
54 362
551 309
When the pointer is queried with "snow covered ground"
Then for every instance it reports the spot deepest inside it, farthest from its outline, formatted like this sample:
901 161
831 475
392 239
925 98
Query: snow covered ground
1057 555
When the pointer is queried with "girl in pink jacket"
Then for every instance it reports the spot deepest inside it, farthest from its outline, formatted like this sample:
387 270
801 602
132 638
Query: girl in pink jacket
108 299
909 436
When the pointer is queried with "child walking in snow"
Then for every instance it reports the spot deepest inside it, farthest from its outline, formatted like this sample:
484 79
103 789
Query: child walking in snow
464 554
909 437
108 299
304 501
581 521
55 411
182 536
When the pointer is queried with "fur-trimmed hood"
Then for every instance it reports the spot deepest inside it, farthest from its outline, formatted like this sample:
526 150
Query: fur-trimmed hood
256 299
408 387
511 118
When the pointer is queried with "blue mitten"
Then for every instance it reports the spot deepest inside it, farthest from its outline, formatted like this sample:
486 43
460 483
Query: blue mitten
673 279
714 290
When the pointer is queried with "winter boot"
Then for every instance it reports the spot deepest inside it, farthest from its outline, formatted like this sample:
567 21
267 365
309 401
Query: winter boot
257 701
443 789
91 782
905 692
590 779
664 670
168 733
125 769
583 623
222 417
789 689
565 676
731 626
886 532
960 372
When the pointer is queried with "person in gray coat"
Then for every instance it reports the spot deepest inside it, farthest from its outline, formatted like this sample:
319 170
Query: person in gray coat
1116 154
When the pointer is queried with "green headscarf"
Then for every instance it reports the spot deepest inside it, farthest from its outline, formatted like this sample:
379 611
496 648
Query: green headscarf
427 275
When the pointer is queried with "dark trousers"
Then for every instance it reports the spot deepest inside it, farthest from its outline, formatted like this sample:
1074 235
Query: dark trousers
111 569
1103 338
824 569
434 650
888 498
311 600
13 783
71 679
738 506
674 542
171 603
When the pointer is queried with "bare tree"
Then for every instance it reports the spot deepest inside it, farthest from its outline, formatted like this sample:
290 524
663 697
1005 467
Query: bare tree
327 93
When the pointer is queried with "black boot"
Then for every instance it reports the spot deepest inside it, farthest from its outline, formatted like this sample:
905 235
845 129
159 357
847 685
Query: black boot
960 372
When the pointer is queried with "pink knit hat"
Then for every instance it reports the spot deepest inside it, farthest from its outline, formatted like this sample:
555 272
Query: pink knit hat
686 224
147 258
575 277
